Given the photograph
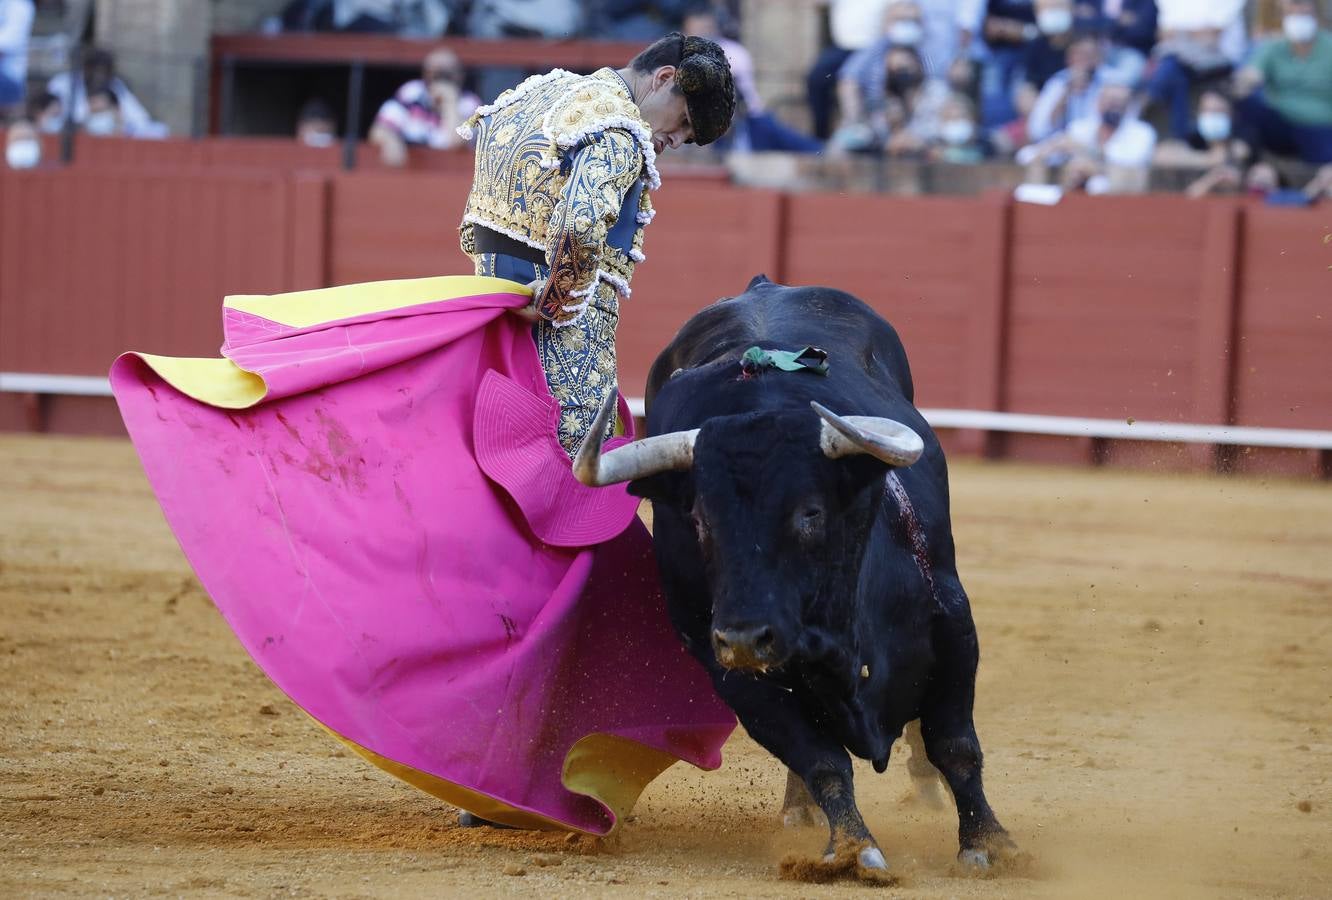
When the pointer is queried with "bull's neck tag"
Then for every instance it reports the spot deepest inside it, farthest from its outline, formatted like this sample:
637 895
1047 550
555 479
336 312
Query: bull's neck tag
810 359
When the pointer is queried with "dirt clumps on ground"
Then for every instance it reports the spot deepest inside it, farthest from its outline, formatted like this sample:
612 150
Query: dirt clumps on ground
1152 703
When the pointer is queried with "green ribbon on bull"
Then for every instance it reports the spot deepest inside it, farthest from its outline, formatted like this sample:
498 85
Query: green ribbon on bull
810 359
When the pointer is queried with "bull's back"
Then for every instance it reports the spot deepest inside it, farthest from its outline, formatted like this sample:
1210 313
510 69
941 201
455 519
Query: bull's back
791 318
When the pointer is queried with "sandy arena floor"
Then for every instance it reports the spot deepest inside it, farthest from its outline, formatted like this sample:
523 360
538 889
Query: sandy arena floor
1153 702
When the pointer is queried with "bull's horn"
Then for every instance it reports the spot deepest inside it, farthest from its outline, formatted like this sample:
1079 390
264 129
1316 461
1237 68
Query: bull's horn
886 440
672 452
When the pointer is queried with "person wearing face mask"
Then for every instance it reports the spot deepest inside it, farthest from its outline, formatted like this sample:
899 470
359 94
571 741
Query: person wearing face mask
23 148
103 115
316 125
1287 88
424 112
959 140
898 112
935 30
1110 150
1058 24
98 73
1069 94
47 112
1200 43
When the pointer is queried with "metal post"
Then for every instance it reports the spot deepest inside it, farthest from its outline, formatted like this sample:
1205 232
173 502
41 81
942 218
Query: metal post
198 108
67 128
228 92
355 87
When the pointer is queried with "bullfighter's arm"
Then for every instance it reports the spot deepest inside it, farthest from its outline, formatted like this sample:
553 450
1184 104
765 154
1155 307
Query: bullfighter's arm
600 175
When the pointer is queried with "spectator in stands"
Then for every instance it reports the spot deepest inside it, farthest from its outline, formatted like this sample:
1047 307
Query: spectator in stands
104 117
1069 94
1110 151
99 73
1264 182
854 24
23 148
47 112
933 29
1201 40
1292 114
754 128
424 112
1212 141
635 20
896 111
406 18
1006 26
1039 55
316 126
15 31
1130 28
959 140
1059 24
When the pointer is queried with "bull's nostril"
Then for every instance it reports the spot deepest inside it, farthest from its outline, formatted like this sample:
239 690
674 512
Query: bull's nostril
764 640
719 639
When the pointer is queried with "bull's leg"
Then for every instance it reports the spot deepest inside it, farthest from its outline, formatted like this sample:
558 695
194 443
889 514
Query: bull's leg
774 719
949 732
925 777
799 807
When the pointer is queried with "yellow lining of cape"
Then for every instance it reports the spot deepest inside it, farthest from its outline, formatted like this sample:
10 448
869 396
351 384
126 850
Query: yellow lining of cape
223 384
217 382
610 769
301 309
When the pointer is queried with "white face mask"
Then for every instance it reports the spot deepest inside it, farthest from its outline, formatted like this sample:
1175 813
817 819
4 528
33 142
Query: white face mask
1300 28
1214 126
23 154
1054 21
906 33
957 131
318 139
101 123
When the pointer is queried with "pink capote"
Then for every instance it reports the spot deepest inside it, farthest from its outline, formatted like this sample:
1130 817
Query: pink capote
395 536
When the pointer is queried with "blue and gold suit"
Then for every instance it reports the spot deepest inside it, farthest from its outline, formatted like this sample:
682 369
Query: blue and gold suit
564 165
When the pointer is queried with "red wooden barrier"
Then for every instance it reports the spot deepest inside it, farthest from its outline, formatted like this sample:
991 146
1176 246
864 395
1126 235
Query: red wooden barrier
706 243
93 263
1145 308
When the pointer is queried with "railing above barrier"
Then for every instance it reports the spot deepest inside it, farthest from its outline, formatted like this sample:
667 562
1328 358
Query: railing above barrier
1157 309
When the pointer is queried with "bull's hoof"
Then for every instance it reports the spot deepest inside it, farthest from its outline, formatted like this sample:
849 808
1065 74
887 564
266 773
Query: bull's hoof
803 817
996 854
975 859
850 861
872 858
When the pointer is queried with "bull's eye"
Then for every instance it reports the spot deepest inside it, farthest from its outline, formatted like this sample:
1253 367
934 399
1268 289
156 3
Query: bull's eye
809 523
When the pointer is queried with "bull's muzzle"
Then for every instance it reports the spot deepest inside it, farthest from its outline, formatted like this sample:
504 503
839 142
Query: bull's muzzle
752 648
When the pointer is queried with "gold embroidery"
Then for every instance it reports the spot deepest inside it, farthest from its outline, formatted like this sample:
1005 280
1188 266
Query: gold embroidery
525 187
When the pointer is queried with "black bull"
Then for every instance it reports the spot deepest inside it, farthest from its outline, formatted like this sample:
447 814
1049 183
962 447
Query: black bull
807 563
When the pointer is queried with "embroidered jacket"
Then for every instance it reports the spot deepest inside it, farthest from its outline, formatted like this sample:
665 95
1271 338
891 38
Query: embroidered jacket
564 164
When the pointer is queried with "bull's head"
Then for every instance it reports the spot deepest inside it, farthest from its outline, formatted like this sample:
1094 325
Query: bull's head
780 510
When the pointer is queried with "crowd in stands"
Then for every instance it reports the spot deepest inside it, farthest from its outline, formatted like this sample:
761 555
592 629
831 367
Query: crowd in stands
1087 95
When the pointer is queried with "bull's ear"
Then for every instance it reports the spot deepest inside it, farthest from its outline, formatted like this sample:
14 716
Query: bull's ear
671 488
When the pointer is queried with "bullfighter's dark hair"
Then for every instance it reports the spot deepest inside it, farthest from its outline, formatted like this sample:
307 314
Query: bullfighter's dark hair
702 74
